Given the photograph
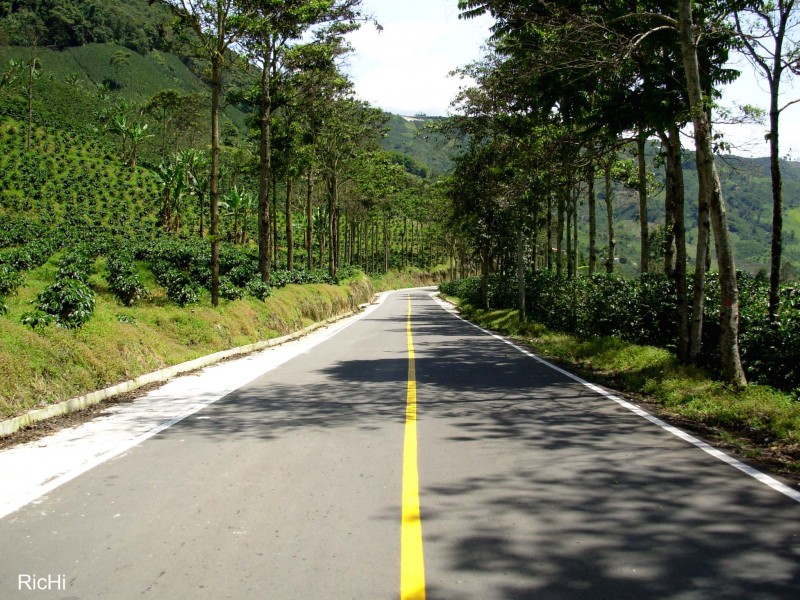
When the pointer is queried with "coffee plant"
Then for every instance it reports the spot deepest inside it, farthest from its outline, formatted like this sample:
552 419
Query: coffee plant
124 280
258 289
642 311
10 280
70 302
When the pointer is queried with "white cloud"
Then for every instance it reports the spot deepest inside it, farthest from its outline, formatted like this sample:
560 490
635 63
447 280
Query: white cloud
405 67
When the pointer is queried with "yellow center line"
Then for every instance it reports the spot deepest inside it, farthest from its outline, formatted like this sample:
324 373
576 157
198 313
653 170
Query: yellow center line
412 565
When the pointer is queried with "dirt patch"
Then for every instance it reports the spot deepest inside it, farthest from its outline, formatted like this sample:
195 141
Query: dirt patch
39 429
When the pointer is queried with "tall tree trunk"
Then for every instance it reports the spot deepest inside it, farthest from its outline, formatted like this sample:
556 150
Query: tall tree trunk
592 201
309 222
575 257
289 225
777 204
385 245
710 186
669 207
321 241
337 237
560 208
644 256
331 225
265 172
216 86
699 280
520 273
485 276
550 232
536 228
612 241
273 217
672 142
569 253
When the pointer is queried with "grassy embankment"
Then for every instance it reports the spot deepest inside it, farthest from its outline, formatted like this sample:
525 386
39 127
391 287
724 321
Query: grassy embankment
41 367
759 422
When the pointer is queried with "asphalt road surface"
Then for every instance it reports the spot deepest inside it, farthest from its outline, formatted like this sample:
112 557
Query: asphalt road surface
530 485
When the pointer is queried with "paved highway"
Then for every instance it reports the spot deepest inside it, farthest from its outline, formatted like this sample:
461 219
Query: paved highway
409 455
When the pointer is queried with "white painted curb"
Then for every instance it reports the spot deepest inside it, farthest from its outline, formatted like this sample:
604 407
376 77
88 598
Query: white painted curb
9 426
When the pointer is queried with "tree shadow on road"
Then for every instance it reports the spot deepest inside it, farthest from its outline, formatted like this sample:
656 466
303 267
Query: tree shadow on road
533 486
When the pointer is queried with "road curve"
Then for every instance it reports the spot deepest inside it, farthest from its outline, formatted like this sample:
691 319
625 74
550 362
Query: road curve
530 485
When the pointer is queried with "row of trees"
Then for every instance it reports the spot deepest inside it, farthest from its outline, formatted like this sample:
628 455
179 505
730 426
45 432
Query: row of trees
312 134
563 87
308 175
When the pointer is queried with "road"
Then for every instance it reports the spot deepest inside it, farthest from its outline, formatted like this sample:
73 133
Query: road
529 484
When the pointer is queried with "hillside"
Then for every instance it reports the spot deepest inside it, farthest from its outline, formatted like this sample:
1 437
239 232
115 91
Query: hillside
747 189
409 136
115 59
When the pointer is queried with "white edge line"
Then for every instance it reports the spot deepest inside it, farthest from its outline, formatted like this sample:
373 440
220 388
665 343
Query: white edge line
715 452
51 485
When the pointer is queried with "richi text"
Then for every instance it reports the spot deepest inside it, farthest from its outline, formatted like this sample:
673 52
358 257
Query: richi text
31 582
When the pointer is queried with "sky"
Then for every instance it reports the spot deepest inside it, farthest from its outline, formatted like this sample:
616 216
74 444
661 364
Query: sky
404 69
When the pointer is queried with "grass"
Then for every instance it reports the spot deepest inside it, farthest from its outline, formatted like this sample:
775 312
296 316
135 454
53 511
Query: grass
759 422
41 367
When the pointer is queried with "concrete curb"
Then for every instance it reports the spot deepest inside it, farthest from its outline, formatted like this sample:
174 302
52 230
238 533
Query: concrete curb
9 426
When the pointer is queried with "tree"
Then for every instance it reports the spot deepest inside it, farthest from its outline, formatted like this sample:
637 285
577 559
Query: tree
217 25
120 58
711 189
137 133
350 127
272 26
769 35
171 177
28 29
122 127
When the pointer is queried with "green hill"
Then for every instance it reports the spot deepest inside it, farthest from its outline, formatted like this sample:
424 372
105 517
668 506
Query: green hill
747 190
409 136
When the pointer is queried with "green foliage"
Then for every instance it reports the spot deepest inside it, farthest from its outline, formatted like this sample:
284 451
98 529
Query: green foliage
281 277
258 289
230 291
69 301
421 151
137 24
124 281
10 279
641 311
179 287
75 264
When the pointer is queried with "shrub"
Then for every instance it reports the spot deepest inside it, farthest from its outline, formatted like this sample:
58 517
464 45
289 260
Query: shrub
10 279
643 311
229 291
258 289
69 301
179 287
75 264
124 281
37 319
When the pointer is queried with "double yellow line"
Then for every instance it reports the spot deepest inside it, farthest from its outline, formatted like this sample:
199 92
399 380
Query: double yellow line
412 565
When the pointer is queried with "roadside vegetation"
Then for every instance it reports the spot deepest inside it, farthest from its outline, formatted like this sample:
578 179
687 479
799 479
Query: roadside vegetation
48 364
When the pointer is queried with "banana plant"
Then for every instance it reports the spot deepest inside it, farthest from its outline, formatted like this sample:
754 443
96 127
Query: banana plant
171 178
